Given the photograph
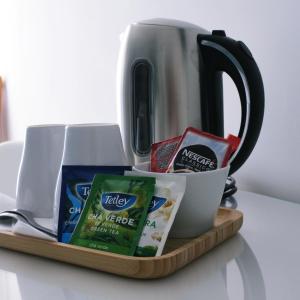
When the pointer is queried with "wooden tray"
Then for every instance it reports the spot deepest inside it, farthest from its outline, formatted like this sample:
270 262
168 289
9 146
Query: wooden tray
177 254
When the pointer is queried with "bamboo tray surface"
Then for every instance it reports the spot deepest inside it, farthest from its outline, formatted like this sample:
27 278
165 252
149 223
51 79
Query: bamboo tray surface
177 254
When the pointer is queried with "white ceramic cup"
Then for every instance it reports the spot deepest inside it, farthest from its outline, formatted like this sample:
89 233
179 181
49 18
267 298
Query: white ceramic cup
90 145
39 168
93 144
200 203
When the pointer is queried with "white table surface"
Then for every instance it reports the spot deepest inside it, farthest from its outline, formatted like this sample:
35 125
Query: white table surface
262 262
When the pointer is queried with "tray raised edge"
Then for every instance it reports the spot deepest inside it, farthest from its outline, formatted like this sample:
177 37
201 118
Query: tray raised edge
180 251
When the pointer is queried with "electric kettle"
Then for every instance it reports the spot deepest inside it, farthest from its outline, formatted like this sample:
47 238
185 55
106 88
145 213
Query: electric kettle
170 77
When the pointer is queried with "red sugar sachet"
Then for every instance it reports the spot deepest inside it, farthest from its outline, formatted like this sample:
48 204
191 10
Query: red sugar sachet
161 153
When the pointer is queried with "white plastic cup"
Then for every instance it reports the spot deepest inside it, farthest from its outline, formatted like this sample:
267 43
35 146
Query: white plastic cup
200 203
90 145
39 168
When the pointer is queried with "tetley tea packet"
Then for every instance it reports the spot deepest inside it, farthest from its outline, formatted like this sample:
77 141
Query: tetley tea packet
169 191
76 186
114 213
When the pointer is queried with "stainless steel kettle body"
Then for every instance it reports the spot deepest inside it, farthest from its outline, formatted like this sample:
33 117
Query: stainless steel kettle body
165 85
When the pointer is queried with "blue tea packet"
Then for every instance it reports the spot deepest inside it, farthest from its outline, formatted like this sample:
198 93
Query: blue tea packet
75 189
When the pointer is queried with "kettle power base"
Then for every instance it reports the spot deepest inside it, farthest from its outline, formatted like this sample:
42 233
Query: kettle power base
178 252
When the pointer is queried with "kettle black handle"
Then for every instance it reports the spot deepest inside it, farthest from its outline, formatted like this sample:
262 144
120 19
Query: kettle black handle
219 53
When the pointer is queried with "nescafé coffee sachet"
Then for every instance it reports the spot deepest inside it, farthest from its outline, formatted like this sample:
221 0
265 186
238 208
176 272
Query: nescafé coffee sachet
200 151
114 214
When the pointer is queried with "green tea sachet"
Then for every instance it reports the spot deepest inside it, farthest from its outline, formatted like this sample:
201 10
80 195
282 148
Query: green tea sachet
114 214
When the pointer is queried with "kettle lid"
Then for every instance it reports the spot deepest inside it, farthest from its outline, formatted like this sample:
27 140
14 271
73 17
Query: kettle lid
172 23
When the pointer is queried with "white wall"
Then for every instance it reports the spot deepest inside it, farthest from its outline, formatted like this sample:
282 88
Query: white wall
58 58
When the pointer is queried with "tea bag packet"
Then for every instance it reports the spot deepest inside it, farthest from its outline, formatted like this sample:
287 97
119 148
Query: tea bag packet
169 191
114 214
161 154
200 151
75 189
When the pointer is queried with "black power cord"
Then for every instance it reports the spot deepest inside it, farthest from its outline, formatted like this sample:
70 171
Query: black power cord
230 188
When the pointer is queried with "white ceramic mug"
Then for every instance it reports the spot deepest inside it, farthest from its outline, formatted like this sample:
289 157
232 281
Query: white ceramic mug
39 168
200 203
90 145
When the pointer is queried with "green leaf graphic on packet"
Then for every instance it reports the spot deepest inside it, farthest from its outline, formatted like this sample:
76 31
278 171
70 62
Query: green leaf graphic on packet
114 214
